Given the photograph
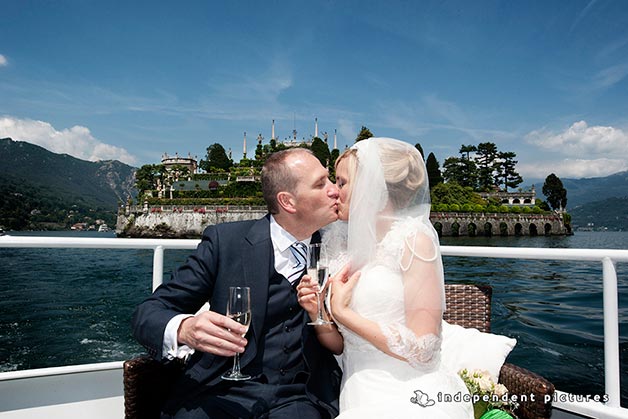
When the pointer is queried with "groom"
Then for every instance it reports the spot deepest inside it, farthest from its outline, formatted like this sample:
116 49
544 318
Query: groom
293 376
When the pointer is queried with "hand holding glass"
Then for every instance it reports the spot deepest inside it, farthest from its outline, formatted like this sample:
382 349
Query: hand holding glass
238 309
317 268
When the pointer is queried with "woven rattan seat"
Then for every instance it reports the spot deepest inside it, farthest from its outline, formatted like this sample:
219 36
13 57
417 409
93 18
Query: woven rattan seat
146 382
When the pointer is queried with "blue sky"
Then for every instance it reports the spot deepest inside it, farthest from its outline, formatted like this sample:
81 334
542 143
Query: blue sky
131 80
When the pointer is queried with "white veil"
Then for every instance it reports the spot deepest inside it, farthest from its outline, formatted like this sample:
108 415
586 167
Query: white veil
389 212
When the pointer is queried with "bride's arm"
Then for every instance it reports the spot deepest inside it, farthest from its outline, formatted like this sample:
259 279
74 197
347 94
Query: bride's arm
423 286
418 341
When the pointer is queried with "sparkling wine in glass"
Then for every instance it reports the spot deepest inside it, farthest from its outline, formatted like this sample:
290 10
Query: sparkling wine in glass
318 268
239 309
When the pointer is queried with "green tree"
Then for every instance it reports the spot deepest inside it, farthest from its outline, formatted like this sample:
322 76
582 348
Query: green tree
461 171
467 149
506 170
147 175
364 134
321 151
259 152
555 192
335 153
485 157
418 147
542 204
453 170
433 171
216 158
453 193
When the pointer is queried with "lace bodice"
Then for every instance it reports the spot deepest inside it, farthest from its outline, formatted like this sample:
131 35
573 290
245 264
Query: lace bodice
379 296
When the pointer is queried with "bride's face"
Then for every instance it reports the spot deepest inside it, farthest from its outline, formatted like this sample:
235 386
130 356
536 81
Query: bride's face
344 189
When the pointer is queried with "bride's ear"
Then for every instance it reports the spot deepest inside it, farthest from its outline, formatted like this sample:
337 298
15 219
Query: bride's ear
287 201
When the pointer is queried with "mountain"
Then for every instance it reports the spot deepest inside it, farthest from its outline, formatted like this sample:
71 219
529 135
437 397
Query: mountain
582 191
610 213
600 201
37 186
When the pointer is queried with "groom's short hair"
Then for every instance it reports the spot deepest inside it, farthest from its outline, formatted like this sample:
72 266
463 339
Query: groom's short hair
276 177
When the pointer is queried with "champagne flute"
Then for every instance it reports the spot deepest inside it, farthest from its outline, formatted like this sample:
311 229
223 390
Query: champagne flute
318 268
239 309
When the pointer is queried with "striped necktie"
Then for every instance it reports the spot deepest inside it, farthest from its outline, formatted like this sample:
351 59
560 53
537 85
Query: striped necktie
299 250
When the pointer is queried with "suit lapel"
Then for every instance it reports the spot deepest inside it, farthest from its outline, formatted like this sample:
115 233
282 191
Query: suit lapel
256 259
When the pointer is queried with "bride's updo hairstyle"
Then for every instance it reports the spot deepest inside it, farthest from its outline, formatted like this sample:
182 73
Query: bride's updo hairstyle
403 172
388 181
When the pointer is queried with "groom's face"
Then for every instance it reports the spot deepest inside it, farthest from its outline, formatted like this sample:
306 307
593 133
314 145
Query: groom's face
315 195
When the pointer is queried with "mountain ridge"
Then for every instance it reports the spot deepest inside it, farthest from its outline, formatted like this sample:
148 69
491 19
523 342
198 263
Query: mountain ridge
36 182
586 190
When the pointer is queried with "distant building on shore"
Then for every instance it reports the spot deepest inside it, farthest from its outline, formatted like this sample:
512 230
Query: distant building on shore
519 198
171 162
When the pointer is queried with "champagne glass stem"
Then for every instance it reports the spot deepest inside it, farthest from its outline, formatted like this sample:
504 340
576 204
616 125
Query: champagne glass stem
320 306
238 309
236 365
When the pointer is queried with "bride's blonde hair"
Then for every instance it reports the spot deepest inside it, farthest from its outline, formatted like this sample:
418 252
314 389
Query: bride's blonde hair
404 173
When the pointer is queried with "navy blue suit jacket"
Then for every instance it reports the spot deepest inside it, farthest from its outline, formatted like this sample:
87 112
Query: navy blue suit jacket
230 254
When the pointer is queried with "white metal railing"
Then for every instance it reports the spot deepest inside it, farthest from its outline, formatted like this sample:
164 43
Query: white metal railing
157 245
607 257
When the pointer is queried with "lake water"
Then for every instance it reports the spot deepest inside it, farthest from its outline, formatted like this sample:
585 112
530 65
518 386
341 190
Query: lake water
73 306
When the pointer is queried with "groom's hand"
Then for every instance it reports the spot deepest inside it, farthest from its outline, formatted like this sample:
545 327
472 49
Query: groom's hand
306 293
213 333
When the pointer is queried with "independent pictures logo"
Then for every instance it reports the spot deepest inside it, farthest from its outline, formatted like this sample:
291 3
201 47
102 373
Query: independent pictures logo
422 399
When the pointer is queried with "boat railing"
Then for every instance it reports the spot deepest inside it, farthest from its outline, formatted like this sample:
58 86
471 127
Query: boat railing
608 258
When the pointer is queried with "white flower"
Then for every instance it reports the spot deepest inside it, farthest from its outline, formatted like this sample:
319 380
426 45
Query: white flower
500 390
480 383
485 383
481 373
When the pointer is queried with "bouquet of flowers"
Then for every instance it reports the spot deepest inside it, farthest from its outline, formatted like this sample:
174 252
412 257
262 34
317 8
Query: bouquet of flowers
490 400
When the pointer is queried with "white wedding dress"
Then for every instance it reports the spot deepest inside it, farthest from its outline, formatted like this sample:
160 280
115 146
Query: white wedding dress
376 385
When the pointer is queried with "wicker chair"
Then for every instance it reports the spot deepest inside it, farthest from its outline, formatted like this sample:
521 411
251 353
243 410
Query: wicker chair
470 306
146 382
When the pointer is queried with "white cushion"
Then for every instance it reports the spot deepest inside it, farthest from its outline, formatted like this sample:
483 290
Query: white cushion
471 349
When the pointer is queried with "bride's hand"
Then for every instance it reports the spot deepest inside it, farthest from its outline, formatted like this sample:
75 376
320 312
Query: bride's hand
342 291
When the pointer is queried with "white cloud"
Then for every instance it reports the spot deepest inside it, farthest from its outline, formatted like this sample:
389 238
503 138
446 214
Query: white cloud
3 61
581 140
573 168
77 141
610 76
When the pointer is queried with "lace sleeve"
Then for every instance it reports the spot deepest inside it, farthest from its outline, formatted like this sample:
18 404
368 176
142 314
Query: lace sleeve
421 352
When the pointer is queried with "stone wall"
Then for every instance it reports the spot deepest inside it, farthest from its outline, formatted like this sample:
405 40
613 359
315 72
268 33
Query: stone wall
496 224
179 221
173 221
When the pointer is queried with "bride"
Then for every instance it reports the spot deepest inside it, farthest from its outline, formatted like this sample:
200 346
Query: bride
388 300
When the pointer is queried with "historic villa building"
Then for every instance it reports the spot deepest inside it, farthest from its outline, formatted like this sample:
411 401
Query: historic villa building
187 162
527 198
